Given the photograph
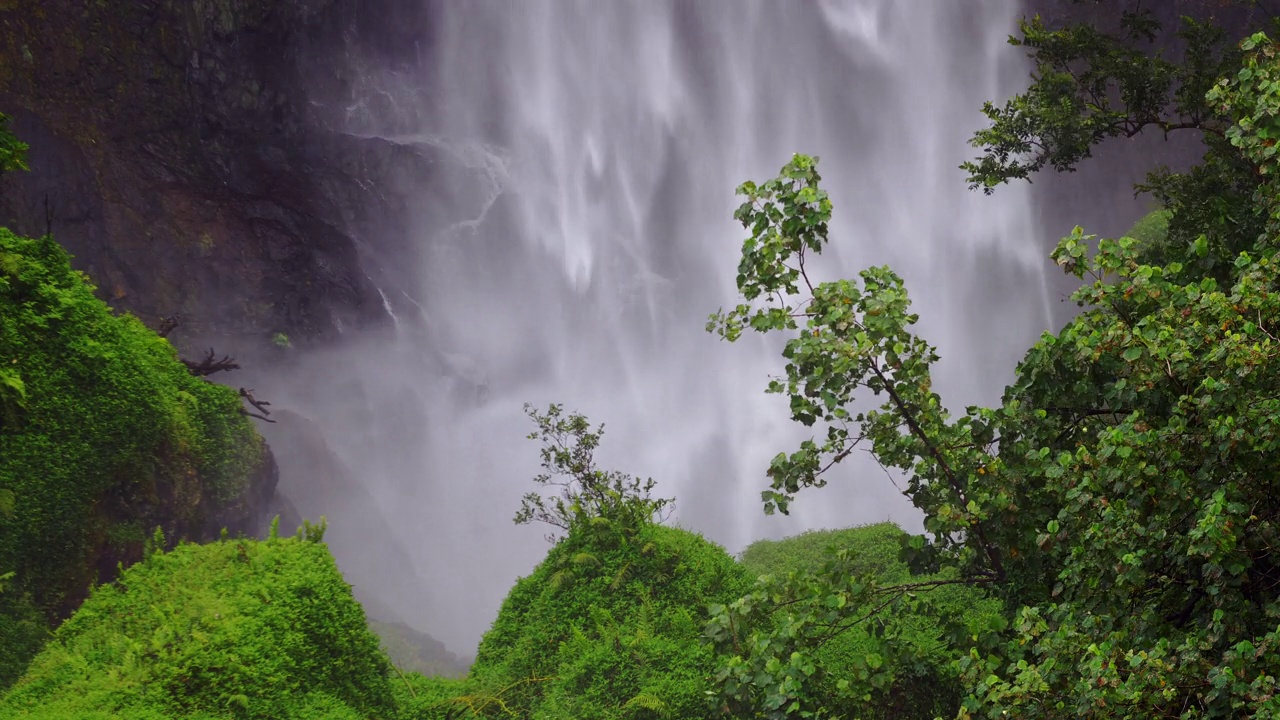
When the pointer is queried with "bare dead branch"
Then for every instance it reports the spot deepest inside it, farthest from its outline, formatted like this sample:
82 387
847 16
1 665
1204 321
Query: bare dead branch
259 405
211 364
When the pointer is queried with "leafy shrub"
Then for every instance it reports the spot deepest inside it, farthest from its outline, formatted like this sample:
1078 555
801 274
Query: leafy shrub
235 629
420 697
608 626
906 653
100 426
585 493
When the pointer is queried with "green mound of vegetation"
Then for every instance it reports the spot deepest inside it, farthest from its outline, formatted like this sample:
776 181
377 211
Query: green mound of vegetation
234 629
871 548
920 681
610 624
103 434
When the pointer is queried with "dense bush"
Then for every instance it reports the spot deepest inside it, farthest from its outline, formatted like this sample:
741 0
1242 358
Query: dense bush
234 629
923 630
103 434
1121 498
608 626
873 548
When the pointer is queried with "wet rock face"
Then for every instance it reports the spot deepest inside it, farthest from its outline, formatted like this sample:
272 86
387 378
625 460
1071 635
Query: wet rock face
176 154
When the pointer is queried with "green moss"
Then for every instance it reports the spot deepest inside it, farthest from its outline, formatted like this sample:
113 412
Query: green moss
23 630
108 429
608 626
235 629
437 698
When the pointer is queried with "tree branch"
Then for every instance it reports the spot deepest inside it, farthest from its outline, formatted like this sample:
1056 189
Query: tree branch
211 364
259 405
913 425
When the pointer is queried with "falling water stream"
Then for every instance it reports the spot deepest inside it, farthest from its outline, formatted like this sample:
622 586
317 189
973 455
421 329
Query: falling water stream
602 142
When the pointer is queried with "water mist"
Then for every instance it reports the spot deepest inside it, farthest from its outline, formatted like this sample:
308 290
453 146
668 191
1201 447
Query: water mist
591 150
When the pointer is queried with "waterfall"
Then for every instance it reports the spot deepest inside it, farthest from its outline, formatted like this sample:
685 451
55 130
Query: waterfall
604 141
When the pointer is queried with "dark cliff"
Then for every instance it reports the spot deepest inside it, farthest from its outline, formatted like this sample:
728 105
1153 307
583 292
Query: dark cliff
182 152
196 158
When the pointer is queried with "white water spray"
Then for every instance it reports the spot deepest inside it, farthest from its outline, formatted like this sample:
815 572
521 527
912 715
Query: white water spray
612 135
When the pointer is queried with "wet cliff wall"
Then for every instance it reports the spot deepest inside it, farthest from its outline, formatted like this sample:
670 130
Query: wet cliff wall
177 155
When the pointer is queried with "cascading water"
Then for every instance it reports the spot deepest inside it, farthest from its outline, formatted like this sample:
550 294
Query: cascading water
603 141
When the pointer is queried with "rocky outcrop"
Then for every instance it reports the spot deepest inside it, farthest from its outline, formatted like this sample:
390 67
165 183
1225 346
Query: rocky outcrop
181 151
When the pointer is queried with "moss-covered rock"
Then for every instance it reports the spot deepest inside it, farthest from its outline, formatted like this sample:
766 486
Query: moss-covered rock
234 629
104 435
608 626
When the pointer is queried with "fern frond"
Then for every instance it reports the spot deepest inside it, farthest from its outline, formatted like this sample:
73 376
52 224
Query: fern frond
620 577
648 702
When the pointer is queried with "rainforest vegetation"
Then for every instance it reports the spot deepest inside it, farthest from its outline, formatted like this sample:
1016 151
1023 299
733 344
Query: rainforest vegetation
1104 542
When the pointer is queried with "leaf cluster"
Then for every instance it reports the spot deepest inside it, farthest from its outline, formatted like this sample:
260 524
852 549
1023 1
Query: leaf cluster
838 626
1120 501
586 494
1091 85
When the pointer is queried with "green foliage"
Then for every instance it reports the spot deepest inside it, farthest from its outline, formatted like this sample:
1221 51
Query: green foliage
608 626
421 697
13 152
1091 85
13 397
1151 232
24 628
586 493
1121 500
796 647
235 629
1142 438
100 424
856 337
874 550
1252 100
